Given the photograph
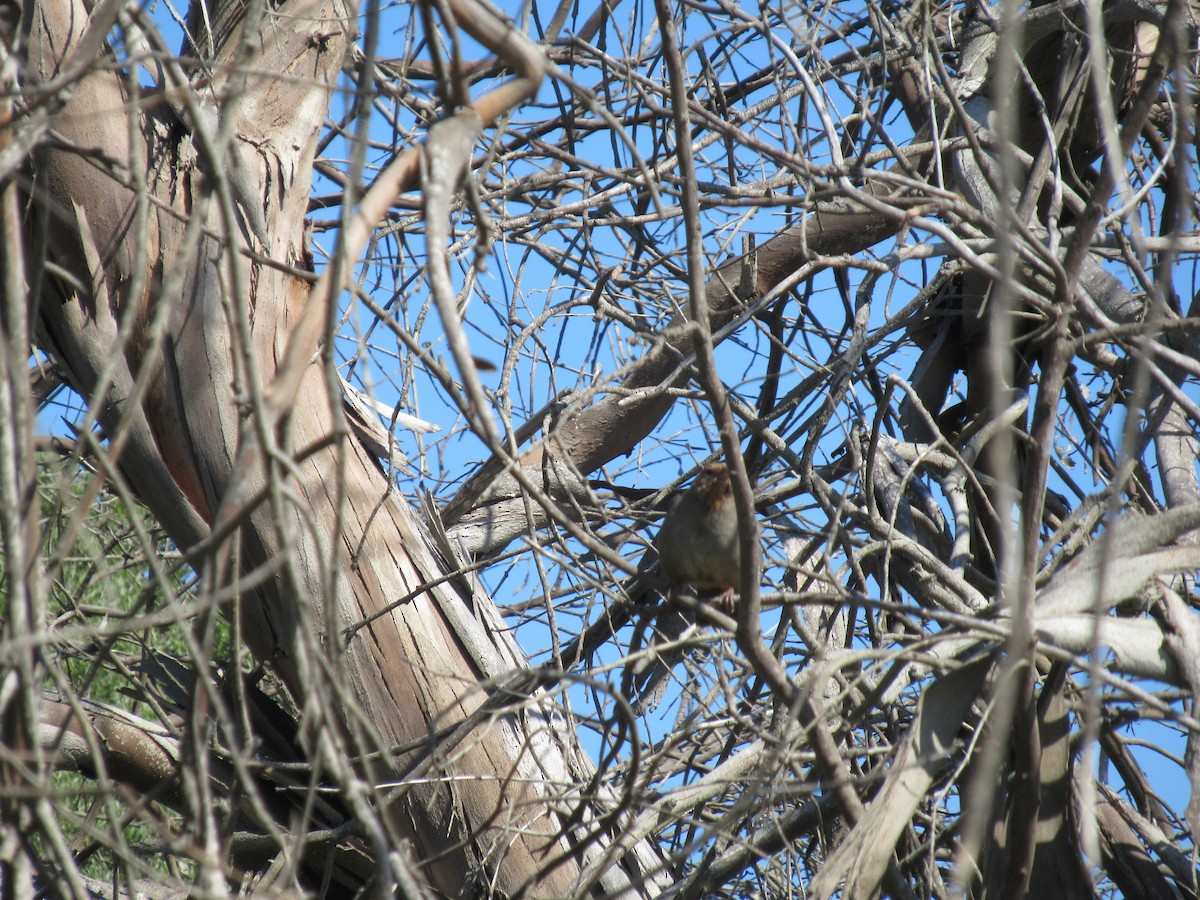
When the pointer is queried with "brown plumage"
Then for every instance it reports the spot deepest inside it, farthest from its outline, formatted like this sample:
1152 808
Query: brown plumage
698 540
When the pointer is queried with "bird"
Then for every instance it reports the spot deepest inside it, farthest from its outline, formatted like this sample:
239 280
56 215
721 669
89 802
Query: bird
698 542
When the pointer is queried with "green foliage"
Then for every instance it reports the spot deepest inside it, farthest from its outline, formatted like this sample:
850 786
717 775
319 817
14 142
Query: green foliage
111 580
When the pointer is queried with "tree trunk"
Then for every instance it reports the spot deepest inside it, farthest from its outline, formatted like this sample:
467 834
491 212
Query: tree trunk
170 309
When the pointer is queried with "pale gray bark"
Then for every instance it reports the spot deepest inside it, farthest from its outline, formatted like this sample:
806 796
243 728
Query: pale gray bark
173 286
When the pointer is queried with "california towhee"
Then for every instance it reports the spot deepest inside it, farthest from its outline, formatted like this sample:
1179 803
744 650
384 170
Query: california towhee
698 540
697 545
